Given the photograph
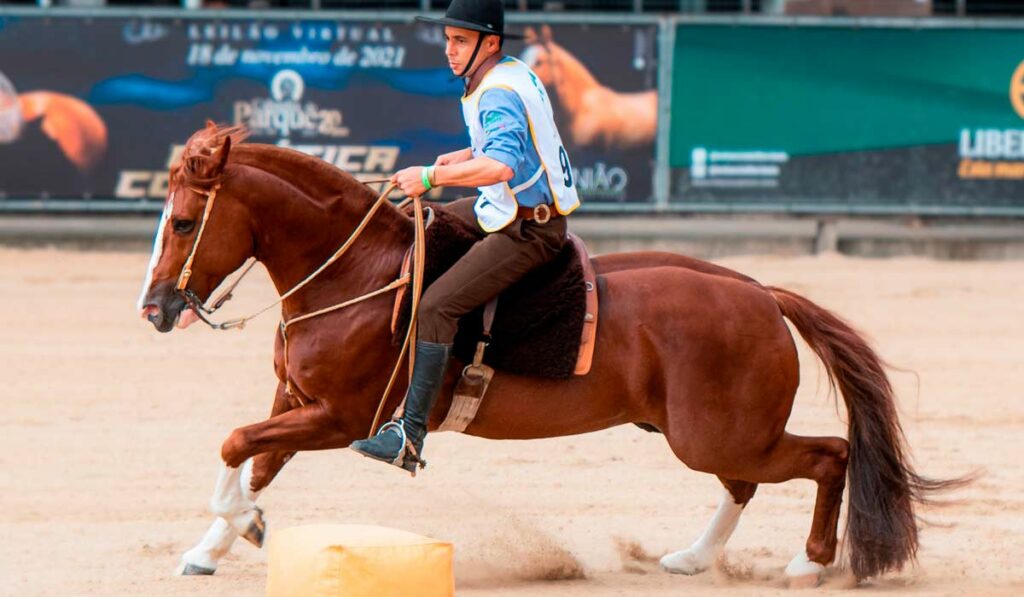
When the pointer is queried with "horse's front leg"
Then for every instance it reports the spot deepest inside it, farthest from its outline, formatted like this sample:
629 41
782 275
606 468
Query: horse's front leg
309 427
255 474
233 499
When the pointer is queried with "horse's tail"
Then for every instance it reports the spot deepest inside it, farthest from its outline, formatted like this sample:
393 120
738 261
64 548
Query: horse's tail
881 529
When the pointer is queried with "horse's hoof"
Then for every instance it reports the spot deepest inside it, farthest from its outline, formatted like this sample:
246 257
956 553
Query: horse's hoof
803 573
186 569
257 529
685 562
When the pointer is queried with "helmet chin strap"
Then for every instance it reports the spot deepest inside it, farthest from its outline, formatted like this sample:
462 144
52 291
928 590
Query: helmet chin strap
465 74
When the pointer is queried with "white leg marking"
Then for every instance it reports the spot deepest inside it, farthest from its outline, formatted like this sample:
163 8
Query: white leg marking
215 544
233 499
709 546
230 501
245 482
801 567
158 248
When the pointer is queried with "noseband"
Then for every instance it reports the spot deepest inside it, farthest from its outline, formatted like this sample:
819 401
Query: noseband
181 287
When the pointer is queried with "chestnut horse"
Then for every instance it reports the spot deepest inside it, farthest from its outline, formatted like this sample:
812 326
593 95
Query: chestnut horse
684 347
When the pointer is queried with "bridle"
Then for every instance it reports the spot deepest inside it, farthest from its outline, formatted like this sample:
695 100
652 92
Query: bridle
181 286
418 252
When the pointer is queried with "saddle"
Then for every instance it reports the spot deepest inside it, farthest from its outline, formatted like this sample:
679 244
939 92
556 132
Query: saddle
545 325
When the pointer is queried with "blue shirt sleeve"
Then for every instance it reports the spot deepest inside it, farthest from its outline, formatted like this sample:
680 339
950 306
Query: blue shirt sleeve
503 118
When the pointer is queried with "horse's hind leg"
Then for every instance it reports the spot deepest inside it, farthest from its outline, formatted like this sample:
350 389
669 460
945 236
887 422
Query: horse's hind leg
823 460
706 549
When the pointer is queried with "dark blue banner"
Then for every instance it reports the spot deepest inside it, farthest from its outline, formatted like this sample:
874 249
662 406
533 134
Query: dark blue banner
100 107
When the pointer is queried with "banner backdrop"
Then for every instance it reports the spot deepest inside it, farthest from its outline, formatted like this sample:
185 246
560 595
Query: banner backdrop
861 117
100 107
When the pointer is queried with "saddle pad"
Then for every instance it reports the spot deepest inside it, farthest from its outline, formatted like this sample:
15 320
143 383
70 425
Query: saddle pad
540 319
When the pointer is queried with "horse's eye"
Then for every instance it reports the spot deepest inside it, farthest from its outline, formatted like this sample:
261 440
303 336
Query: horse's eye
183 226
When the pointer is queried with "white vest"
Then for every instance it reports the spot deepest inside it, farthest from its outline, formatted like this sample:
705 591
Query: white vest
496 207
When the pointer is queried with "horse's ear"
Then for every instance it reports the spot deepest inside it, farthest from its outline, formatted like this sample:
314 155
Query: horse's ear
222 159
210 124
530 35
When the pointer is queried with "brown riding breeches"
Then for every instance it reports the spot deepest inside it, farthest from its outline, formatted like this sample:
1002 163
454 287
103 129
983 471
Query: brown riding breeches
493 264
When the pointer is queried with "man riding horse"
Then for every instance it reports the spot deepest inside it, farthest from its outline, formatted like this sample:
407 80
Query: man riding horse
695 351
526 188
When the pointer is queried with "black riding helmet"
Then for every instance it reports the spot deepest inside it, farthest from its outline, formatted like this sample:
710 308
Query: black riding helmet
484 16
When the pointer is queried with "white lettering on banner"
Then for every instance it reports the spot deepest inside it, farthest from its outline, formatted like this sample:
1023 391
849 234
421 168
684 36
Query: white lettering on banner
284 114
232 32
354 159
128 186
299 32
142 184
600 181
301 56
231 44
151 184
1005 144
140 32
734 183
382 57
345 56
738 169
743 170
749 156
226 54
200 55
175 155
361 161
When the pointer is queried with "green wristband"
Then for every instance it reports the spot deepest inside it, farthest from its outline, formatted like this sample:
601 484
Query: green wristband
425 177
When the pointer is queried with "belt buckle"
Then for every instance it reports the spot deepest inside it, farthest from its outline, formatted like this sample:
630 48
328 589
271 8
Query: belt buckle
542 214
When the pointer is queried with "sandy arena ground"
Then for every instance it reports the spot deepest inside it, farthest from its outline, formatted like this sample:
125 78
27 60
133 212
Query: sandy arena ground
111 432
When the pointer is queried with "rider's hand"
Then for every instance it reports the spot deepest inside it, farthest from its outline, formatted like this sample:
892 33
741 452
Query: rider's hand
454 157
410 180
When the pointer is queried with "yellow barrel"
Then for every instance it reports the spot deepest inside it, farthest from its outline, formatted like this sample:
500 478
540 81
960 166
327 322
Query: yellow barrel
357 560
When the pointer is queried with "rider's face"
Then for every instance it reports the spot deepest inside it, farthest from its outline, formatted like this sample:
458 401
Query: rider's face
459 48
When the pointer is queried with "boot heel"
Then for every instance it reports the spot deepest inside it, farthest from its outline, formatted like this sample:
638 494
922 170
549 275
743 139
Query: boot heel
410 464
411 459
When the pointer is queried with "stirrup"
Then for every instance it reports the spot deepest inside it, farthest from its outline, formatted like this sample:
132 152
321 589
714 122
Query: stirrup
407 458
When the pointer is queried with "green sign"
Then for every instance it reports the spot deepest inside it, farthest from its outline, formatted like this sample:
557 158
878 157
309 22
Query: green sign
859 116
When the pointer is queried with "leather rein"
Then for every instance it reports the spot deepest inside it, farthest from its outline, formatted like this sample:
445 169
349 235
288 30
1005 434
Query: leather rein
416 278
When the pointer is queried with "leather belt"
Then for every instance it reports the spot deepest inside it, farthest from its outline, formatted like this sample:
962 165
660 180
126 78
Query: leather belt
542 214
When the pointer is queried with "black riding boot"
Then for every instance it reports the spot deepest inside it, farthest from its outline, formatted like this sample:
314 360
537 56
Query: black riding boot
401 442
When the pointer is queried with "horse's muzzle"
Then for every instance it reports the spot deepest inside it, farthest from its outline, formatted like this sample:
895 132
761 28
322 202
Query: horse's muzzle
163 314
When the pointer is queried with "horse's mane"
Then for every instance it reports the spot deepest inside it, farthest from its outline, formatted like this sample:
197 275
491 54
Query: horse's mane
314 177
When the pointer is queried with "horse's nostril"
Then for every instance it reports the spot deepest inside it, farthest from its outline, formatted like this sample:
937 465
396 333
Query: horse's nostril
153 314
